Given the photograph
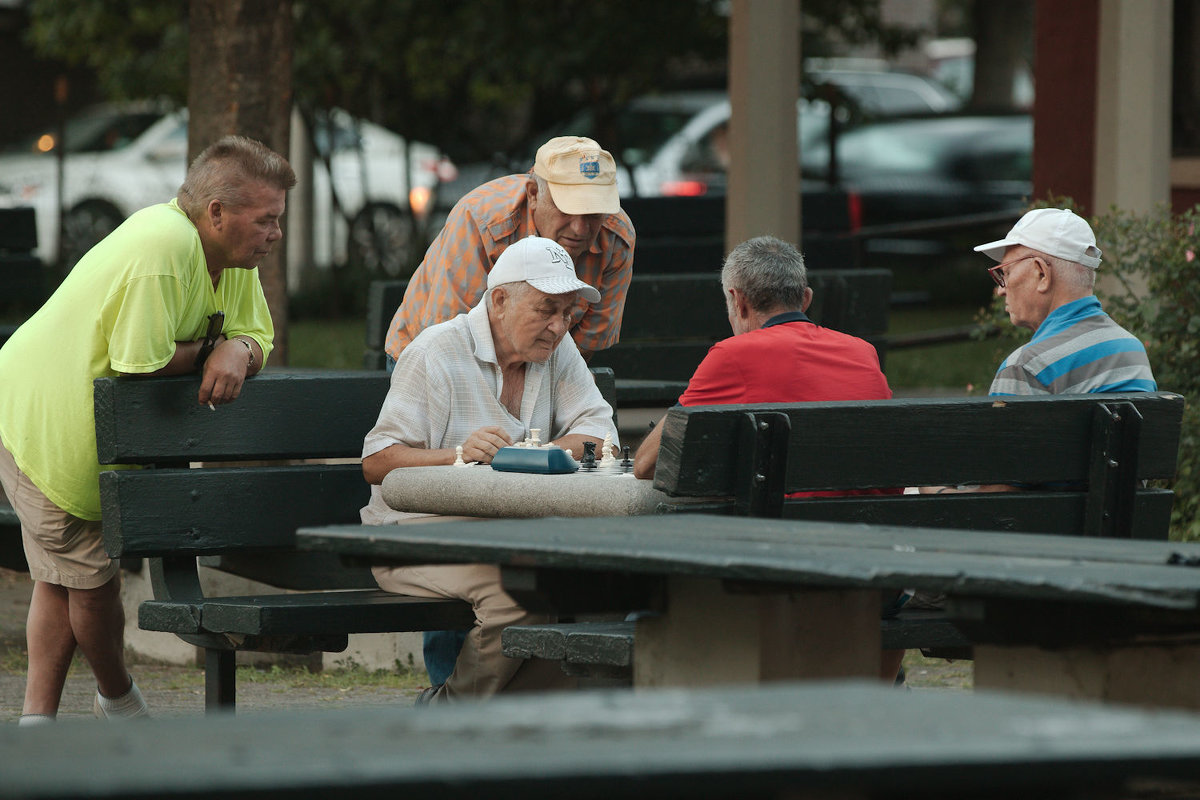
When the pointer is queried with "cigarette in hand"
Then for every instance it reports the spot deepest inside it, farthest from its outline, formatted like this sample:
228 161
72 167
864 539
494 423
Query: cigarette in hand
210 405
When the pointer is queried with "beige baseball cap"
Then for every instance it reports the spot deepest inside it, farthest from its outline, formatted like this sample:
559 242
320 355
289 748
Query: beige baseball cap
582 175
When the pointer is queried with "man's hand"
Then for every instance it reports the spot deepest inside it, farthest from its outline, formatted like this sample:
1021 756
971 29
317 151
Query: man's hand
224 373
482 445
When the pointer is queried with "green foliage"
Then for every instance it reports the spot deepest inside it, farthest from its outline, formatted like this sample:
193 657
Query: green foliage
475 76
138 48
1153 289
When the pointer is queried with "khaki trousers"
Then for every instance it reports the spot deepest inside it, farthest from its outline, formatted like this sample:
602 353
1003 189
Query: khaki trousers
482 668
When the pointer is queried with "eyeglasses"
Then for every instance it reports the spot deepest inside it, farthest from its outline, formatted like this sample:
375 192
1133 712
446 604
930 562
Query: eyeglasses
997 272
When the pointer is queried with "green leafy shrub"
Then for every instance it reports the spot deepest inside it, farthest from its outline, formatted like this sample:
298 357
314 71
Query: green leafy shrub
1151 284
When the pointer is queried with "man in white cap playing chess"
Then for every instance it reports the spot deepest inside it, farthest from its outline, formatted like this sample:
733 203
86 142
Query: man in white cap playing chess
482 380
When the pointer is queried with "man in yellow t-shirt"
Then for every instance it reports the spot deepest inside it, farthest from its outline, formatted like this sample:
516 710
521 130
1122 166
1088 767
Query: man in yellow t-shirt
173 290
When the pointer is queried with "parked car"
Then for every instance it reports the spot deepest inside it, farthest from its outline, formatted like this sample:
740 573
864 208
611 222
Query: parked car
673 144
925 168
120 158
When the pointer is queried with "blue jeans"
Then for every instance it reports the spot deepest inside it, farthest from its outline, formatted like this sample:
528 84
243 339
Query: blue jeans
441 652
441 647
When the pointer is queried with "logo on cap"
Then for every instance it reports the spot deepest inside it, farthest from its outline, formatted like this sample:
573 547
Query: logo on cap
559 257
589 169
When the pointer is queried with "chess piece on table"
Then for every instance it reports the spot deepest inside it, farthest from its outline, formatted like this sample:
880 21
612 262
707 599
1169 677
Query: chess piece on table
534 439
606 450
626 461
588 463
458 459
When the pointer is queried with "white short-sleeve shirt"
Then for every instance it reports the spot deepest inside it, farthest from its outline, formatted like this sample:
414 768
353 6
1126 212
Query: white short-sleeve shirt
447 385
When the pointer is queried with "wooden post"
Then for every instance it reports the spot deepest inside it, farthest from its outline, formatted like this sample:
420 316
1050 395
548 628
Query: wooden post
764 85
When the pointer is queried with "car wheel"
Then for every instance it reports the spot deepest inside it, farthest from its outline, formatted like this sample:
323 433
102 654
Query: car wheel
84 226
381 240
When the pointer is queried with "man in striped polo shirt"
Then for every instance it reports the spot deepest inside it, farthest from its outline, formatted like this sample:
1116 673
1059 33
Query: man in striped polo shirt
1046 275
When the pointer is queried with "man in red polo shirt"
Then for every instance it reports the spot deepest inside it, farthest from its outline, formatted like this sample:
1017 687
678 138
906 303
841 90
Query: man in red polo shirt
776 353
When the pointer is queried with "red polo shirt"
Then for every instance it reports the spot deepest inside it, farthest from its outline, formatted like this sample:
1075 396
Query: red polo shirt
789 360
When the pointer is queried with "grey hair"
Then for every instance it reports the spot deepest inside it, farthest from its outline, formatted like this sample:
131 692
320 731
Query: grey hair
514 290
768 271
228 171
1074 273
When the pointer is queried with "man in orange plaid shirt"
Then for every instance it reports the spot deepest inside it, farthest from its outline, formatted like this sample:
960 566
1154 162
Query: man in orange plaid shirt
569 196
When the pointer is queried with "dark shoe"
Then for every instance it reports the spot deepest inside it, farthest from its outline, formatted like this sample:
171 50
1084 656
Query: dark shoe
426 695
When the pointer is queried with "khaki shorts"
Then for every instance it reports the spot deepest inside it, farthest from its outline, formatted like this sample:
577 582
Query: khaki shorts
61 549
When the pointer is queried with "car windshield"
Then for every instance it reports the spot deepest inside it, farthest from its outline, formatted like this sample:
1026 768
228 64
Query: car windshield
95 132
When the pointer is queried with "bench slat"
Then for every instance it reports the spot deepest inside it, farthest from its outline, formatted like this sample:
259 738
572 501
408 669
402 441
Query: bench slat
201 511
315 414
1015 512
310 613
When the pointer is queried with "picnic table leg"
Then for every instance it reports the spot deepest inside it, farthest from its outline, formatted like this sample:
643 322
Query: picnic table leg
220 680
710 636
1162 675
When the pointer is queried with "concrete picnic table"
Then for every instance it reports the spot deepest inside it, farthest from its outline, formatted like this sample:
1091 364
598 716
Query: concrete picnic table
751 599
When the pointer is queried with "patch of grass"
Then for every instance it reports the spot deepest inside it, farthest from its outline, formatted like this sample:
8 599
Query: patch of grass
349 674
963 367
326 343
937 673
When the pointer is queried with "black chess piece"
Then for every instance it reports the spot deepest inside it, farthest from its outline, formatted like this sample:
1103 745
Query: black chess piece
589 457
626 461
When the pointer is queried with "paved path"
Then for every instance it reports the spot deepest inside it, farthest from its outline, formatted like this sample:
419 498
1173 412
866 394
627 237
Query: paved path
178 690
170 690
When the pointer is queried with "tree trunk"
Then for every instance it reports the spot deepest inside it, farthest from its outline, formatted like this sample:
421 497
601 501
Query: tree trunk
1001 39
240 81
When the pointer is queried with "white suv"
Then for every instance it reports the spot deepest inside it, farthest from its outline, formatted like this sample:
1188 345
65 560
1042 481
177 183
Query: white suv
120 158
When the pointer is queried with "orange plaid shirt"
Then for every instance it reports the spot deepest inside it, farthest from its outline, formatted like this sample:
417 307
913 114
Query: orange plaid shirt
453 275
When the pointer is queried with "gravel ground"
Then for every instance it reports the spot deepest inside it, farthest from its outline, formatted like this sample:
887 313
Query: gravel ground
179 690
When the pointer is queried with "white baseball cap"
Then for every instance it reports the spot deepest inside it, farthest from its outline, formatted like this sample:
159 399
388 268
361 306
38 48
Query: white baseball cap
543 264
1054 231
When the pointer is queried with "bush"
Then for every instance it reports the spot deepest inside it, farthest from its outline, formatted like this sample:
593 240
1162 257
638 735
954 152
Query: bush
1151 285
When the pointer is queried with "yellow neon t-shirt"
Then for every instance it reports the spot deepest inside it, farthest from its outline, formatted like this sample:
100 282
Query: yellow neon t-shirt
121 310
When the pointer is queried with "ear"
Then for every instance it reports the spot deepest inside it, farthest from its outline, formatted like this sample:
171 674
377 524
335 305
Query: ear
807 301
531 192
1045 277
499 300
215 212
741 308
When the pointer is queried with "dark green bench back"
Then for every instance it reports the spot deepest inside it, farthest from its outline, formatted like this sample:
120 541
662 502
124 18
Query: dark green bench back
22 276
670 320
238 501
711 451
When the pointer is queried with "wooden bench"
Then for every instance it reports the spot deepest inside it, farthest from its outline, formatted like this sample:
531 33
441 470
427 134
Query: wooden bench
831 739
231 487
747 458
671 320
22 289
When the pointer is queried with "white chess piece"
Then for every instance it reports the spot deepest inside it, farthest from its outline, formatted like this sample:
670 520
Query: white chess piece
535 437
458 459
608 459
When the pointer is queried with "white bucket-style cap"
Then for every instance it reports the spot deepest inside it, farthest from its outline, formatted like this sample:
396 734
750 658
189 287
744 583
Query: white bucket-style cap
543 264
1054 231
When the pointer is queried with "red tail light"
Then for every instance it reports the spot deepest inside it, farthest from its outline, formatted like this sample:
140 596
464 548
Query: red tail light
854 210
684 188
